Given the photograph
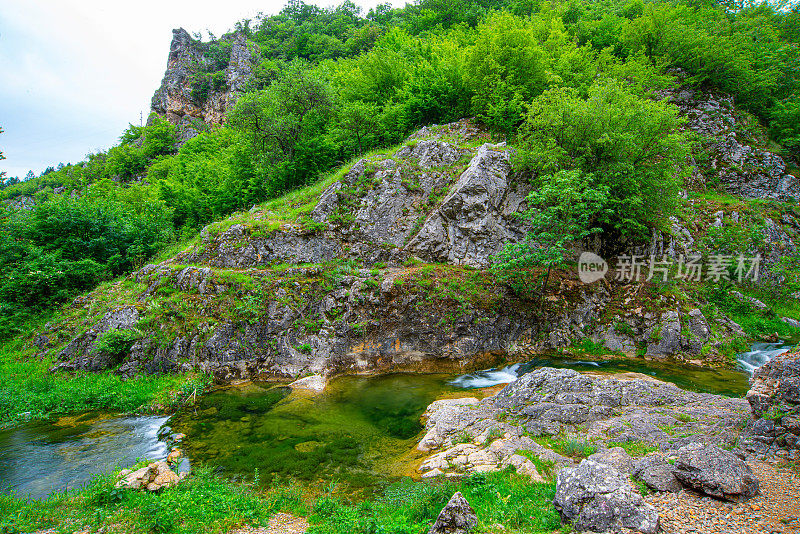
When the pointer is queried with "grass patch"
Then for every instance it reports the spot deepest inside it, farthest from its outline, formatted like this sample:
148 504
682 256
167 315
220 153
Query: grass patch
634 448
544 467
29 391
409 507
205 503
570 446
755 323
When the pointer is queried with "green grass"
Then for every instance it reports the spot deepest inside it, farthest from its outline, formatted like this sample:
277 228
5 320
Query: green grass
571 446
634 448
409 507
29 391
293 206
544 467
754 323
204 503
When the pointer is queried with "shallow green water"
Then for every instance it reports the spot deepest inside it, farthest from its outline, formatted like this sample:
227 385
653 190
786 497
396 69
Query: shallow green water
358 431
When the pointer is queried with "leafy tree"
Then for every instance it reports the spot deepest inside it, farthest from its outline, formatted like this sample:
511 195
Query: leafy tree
560 214
631 147
358 120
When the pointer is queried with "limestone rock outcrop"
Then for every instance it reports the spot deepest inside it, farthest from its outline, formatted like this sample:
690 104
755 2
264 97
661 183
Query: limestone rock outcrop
592 412
153 477
457 517
741 168
175 100
715 472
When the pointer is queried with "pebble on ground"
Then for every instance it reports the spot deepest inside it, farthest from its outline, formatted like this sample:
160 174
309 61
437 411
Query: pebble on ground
775 510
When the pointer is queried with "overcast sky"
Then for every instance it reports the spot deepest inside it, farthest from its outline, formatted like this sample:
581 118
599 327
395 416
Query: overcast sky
74 73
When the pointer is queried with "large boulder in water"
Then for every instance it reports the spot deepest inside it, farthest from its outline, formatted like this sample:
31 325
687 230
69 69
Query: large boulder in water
716 472
595 497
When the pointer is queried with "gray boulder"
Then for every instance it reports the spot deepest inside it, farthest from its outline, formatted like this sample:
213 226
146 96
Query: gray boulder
715 472
616 457
657 474
668 336
595 497
477 216
457 517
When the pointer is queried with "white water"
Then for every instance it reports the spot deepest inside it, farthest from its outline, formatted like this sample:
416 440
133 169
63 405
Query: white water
487 378
759 354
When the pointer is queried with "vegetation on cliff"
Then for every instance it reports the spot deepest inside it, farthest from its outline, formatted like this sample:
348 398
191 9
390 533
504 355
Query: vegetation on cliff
330 84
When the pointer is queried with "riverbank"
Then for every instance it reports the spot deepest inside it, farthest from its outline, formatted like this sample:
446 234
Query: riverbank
513 443
206 503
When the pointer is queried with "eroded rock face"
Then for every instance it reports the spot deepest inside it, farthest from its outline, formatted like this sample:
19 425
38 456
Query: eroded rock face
595 497
476 218
464 221
774 398
174 99
80 353
741 168
716 472
457 517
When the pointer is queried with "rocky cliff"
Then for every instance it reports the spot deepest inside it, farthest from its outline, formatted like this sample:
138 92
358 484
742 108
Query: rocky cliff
199 87
775 402
385 266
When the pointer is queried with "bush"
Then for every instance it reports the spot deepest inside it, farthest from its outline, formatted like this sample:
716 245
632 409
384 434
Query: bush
116 342
628 146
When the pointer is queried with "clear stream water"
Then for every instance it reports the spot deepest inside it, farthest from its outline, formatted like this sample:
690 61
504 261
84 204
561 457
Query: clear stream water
40 458
361 431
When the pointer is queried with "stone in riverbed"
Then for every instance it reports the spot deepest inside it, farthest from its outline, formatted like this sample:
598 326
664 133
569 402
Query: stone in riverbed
715 472
595 497
457 517
313 383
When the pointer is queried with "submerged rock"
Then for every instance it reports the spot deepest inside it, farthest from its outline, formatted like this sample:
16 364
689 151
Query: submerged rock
313 383
457 517
595 497
715 472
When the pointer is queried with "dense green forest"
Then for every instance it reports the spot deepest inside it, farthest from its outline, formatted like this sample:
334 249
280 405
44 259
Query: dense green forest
572 84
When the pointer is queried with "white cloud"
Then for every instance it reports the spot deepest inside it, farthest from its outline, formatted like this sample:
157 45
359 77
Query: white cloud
76 72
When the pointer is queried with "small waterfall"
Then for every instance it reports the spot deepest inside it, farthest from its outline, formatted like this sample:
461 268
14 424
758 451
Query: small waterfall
489 377
759 354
